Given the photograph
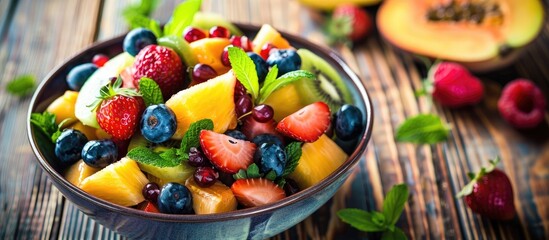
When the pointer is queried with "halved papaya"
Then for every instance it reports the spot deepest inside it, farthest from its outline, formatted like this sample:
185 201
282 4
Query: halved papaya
480 34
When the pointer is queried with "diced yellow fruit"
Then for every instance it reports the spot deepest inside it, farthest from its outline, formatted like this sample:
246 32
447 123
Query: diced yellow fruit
318 160
285 101
208 51
78 172
268 34
217 198
119 183
86 130
63 107
212 99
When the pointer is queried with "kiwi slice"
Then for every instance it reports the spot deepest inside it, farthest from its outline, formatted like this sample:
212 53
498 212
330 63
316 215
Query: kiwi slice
206 20
328 86
181 47
178 173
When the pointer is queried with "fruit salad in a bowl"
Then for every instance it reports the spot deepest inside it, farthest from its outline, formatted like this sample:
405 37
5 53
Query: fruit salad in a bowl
200 123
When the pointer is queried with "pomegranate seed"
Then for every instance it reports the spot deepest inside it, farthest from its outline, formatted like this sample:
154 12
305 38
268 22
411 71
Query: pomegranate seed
205 176
203 72
266 50
100 59
225 56
242 42
192 34
219 32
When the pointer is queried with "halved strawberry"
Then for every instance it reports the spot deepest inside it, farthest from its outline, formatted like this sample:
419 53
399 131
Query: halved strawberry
150 207
307 124
252 128
228 154
254 192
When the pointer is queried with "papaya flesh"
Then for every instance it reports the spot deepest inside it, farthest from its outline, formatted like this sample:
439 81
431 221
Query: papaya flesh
460 30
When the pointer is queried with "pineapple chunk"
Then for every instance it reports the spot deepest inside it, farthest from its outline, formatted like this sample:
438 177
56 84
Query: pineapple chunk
217 198
267 34
209 50
212 99
78 172
286 101
318 160
120 183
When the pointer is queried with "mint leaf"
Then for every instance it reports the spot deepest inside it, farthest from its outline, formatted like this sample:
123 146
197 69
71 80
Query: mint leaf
271 77
394 203
253 171
22 85
182 17
151 91
46 123
192 136
136 16
143 7
423 129
147 156
293 154
282 81
171 155
396 234
360 220
244 69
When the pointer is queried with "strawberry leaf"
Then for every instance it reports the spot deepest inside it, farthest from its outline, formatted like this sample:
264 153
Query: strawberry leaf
151 91
271 175
293 154
22 85
394 203
182 17
244 69
271 86
253 171
360 219
192 136
241 174
423 129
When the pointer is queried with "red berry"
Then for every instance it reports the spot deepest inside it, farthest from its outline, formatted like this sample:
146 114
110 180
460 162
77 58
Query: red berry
266 50
100 59
119 116
225 57
350 21
219 32
243 105
150 207
252 128
161 64
307 124
239 90
205 176
242 42
522 104
203 72
192 34
256 192
263 113
228 154
454 86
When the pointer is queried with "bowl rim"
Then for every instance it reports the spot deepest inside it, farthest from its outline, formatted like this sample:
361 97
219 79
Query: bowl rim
348 165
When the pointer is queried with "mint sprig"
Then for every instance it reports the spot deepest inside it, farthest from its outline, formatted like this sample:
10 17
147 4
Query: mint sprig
46 123
271 86
148 156
137 15
423 129
182 17
150 91
374 221
293 154
21 85
192 136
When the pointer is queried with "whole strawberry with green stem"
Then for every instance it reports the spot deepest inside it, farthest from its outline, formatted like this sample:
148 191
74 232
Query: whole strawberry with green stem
349 23
119 110
490 193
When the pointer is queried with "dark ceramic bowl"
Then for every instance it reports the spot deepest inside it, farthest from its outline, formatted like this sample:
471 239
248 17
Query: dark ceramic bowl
252 223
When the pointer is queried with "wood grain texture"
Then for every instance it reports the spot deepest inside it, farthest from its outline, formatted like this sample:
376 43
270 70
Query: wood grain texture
37 35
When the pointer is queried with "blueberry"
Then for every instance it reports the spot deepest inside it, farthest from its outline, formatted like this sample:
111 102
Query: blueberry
270 157
286 60
261 66
236 134
79 74
99 153
158 123
348 122
175 198
68 146
267 138
138 39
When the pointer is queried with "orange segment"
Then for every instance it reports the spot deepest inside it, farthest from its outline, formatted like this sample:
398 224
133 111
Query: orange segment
212 99
268 34
208 51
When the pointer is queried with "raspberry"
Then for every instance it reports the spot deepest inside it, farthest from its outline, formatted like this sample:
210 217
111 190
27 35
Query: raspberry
522 104
454 86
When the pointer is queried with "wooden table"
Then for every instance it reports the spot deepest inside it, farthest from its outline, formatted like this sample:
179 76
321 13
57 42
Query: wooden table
38 35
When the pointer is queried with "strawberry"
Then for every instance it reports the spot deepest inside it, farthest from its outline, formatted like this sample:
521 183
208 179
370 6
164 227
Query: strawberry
119 110
161 64
307 124
490 193
150 207
255 192
522 104
228 154
251 128
349 22
454 86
